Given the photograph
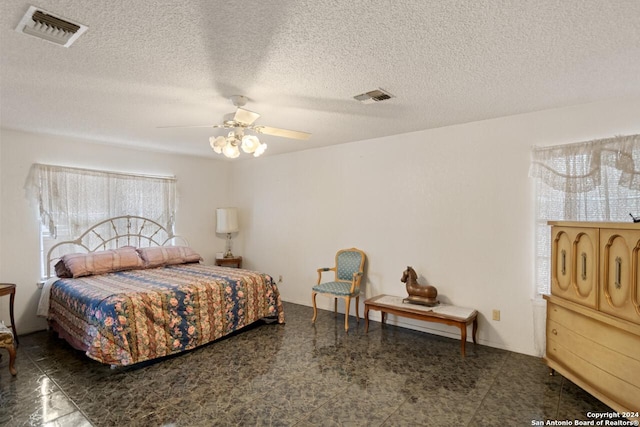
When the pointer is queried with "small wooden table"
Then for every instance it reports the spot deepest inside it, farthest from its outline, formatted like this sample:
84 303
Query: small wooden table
10 289
442 313
235 261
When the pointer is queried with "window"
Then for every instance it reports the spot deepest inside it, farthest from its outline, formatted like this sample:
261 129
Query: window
71 200
590 181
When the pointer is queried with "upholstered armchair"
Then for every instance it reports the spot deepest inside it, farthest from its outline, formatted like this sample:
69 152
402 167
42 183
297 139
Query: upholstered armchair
7 341
348 271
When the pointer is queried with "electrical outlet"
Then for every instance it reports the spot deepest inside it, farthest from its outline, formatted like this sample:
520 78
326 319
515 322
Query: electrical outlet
496 315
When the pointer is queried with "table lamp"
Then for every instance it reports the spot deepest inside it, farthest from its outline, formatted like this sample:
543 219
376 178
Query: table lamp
227 223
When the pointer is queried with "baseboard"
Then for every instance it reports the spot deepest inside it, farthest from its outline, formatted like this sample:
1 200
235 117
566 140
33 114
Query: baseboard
453 333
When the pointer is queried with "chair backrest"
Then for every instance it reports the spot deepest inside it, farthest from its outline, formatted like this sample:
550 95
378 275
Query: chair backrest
349 261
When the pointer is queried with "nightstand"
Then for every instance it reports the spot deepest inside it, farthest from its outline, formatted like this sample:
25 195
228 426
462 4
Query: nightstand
235 261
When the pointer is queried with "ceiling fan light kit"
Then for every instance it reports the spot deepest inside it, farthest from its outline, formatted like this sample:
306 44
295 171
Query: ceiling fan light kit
250 144
238 123
228 145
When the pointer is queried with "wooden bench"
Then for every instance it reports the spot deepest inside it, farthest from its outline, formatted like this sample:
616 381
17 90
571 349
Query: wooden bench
442 313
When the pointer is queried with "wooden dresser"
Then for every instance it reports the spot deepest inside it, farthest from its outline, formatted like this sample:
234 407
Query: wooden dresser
593 312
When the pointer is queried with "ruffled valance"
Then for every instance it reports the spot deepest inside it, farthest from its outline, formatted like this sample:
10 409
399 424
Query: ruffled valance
73 199
576 168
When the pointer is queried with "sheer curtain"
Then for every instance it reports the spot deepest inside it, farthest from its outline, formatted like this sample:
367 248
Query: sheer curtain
71 200
588 181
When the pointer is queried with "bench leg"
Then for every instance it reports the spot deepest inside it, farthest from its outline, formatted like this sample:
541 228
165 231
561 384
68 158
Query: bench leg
475 329
366 318
463 338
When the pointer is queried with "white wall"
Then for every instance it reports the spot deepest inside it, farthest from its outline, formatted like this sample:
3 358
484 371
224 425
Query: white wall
203 185
456 203
1 204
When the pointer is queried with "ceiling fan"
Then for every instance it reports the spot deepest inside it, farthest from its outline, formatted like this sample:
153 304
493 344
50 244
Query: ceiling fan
242 121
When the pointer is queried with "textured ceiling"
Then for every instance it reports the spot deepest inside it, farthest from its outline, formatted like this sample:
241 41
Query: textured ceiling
145 64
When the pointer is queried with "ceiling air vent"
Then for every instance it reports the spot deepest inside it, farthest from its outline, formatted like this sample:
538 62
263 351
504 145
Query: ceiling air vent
376 95
42 24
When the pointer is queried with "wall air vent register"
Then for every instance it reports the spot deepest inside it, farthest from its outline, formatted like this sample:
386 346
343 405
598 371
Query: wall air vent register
376 95
44 25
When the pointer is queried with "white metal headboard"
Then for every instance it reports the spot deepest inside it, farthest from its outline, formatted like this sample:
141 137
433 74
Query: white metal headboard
112 233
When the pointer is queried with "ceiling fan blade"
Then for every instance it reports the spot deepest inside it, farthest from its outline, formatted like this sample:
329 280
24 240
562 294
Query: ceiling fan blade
195 126
285 133
245 116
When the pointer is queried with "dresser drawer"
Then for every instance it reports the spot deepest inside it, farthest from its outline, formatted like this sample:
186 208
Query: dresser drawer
618 340
617 364
625 394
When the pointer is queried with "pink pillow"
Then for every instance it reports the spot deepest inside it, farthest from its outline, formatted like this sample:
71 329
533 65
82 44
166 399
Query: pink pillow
168 255
103 261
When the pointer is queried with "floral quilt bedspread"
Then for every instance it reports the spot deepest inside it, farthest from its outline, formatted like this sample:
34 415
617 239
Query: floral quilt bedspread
131 316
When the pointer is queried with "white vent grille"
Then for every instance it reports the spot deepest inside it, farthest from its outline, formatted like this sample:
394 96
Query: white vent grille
44 25
376 95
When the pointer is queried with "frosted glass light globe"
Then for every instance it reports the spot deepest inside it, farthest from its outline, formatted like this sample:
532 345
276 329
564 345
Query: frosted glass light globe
231 151
250 143
217 143
261 149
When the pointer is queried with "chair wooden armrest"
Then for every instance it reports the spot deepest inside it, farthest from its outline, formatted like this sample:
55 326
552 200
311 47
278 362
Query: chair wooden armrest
356 280
320 270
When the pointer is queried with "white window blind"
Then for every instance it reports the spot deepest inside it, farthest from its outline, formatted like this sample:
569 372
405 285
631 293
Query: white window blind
588 181
71 200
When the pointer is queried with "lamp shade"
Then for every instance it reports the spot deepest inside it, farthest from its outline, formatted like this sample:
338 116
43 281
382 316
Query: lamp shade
226 220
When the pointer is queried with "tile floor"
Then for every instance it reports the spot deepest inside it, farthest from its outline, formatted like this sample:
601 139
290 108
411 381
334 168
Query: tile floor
291 375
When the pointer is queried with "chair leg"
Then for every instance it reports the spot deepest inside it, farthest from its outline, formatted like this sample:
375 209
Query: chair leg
357 304
315 309
335 307
12 360
346 314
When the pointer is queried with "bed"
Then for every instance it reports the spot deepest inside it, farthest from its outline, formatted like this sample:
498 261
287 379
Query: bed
135 295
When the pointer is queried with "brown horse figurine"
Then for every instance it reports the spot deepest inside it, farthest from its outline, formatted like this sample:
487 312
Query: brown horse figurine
418 294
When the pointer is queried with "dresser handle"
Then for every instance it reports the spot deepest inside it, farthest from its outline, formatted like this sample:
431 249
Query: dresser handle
584 266
554 332
563 262
618 282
